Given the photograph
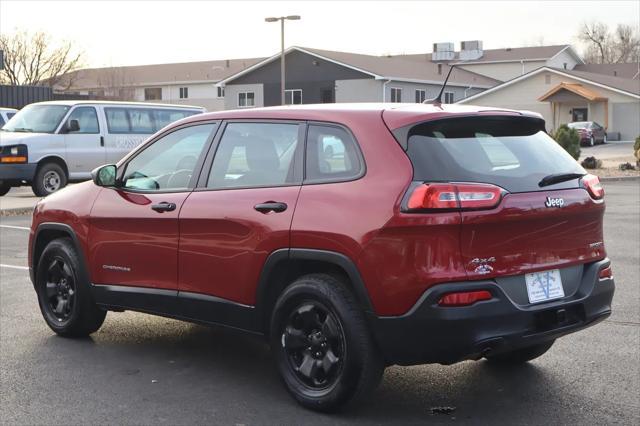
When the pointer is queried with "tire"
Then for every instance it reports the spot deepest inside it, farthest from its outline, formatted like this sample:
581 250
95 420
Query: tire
322 346
61 281
592 141
4 189
520 356
49 178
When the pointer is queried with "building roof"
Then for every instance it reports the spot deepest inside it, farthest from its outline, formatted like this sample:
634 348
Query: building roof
516 54
621 85
413 68
575 88
204 71
628 70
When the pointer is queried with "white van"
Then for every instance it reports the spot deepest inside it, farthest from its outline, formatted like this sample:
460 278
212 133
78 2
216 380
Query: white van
48 144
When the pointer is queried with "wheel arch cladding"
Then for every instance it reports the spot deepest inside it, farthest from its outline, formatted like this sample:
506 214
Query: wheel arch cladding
284 266
47 232
56 160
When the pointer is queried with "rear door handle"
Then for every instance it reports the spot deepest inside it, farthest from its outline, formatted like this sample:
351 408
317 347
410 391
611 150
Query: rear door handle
164 207
270 206
101 140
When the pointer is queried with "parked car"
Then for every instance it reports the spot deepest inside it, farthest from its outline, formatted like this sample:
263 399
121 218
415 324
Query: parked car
6 114
48 144
441 234
590 132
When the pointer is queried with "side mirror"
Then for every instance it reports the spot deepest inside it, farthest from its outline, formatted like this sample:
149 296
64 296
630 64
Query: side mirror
73 125
105 175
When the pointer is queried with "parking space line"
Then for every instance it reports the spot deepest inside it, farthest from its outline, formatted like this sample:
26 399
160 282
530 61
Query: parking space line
22 268
26 228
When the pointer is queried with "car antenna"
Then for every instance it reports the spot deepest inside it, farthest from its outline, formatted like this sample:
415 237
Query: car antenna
438 99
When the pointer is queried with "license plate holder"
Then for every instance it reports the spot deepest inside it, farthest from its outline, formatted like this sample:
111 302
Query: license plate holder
544 286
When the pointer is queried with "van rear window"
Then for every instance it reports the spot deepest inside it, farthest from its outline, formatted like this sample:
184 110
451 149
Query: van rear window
512 152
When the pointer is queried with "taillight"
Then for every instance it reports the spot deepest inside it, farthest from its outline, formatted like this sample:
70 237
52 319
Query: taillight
605 273
428 196
593 186
464 298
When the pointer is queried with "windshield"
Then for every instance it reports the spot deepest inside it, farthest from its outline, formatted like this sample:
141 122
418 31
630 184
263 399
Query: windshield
513 153
579 125
37 119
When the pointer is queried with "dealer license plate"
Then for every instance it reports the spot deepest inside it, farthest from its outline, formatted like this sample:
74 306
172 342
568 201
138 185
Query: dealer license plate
543 286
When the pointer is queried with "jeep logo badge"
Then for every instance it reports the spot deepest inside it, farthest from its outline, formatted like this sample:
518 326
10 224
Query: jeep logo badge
554 202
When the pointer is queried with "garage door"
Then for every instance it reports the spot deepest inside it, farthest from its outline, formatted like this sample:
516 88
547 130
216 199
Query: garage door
625 120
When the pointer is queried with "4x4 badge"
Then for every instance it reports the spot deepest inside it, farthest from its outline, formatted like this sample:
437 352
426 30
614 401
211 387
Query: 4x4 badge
554 202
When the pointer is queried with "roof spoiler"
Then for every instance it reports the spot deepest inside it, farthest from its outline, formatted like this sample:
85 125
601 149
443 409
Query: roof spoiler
438 99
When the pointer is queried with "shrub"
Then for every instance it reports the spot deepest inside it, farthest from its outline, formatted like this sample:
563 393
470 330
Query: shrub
626 166
636 150
568 139
591 163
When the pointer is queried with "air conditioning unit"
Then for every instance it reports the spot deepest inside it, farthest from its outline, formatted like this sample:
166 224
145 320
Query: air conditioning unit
470 50
443 52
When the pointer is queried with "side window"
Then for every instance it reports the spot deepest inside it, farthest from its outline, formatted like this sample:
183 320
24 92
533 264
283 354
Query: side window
87 119
141 120
163 117
1 121
255 154
331 154
169 162
117 120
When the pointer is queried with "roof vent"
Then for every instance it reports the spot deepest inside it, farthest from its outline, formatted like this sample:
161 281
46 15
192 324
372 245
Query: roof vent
470 50
443 52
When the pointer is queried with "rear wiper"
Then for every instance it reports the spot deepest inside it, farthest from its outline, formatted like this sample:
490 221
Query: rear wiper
559 177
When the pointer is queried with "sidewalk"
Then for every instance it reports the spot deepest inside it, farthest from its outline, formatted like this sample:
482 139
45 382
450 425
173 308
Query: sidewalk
18 201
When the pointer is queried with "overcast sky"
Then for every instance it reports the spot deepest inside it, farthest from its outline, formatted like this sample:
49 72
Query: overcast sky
142 32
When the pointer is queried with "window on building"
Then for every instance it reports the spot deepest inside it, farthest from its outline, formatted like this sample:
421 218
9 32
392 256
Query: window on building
220 92
153 94
396 94
293 96
448 97
421 96
246 99
184 92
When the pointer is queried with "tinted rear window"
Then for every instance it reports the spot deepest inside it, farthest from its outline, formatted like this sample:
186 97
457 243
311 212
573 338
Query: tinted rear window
512 152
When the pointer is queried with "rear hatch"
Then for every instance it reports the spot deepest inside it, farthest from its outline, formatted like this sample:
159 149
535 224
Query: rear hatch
525 204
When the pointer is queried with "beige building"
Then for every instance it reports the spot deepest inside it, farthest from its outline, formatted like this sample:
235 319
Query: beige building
563 96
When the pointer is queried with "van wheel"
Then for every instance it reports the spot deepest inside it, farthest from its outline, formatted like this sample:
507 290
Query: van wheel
63 292
4 189
520 356
323 349
49 178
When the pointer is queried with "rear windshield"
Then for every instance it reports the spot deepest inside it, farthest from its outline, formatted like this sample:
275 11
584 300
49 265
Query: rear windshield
514 153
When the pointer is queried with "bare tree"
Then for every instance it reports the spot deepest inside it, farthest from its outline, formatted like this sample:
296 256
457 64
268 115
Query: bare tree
608 47
32 59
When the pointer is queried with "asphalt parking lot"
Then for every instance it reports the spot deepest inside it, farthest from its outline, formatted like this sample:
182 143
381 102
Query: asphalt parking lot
139 369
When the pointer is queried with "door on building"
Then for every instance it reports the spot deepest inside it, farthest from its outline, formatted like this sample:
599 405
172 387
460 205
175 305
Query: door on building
579 114
326 95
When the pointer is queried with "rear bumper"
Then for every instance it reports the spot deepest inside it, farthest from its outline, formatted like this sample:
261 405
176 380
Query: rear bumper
15 173
429 333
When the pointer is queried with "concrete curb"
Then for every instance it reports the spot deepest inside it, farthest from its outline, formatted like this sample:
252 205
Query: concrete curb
16 212
619 178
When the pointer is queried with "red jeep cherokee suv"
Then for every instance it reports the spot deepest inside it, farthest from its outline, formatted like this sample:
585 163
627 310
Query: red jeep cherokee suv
352 236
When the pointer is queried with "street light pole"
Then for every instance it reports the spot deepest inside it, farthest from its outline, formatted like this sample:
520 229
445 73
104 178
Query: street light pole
282 65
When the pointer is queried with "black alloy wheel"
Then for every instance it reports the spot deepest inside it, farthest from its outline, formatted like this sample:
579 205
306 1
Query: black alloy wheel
315 345
60 290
